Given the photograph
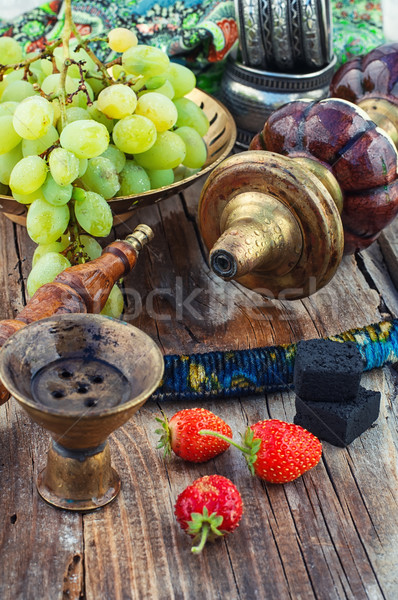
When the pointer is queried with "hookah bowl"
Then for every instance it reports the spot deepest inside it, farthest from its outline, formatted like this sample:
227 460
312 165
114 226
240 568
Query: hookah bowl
80 377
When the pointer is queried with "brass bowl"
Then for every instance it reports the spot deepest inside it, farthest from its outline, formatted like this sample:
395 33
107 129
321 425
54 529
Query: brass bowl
80 377
219 140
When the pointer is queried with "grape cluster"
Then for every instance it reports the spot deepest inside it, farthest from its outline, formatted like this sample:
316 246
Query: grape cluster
76 133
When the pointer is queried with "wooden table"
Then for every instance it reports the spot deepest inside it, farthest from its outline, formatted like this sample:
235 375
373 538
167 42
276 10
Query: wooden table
331 534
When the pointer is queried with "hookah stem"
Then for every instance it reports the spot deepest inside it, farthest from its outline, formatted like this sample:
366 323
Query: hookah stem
80 289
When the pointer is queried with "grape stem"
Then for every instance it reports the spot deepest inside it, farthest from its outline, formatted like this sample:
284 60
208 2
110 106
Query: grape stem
46 53
78 255
108 80
66 33
82 86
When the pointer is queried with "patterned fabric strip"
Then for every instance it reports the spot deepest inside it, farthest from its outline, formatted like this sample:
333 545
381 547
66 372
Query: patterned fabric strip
262 370
198 32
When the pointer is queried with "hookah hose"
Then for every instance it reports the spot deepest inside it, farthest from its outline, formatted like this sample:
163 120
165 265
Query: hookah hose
234 373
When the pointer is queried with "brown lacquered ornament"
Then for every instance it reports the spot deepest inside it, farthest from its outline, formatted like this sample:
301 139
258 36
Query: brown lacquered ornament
359 155
271 216
371 82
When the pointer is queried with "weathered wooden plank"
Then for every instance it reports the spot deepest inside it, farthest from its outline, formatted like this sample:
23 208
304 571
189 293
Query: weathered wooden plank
173 296
378 276
314 545
41 548
329 535
388 241
11 293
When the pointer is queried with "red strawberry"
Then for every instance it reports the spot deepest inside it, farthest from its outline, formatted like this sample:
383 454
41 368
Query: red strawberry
209 508
181 434
277 451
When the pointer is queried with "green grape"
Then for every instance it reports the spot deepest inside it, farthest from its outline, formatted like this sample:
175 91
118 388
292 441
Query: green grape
33 117
9 137
191 115
96 84
8 108
145 60
83 164
86 139
160 178
121 39
64 165
9 78
58 246
90 246
93 213
120 72
74 113
32 147
181 78
117 101
159 109
40 68
134 134
114 306
8 162
182 172
45 270
196 154
17 91
101 177
52 84
10 51
133 179
78 55
99 116
56 194
116 156
166 153
166 89
46 223
29 198
28 175
153 83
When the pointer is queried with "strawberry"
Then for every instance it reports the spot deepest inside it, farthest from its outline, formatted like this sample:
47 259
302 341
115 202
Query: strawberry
278 452
209 508
181 434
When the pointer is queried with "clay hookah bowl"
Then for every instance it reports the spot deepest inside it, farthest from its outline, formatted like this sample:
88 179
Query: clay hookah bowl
80 377
319 179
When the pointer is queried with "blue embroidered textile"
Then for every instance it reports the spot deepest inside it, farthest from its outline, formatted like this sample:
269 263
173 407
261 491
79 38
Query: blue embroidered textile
261 370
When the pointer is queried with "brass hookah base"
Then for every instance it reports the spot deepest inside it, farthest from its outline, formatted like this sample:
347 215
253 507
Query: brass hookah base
273 223
79 480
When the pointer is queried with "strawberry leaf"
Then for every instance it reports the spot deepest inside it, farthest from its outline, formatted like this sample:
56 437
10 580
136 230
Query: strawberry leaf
252 446
165 435
204 528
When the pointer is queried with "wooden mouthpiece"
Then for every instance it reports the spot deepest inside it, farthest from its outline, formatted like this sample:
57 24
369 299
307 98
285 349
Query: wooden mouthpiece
80 289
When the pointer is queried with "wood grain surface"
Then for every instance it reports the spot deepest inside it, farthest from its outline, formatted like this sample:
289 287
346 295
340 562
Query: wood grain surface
330 535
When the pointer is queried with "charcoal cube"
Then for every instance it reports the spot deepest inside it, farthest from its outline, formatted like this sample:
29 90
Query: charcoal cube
339 423
327 371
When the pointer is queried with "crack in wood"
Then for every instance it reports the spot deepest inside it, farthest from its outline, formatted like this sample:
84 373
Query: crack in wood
19 264
73 588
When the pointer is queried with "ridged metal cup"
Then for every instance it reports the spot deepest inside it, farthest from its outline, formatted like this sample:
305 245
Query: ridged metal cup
252 95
